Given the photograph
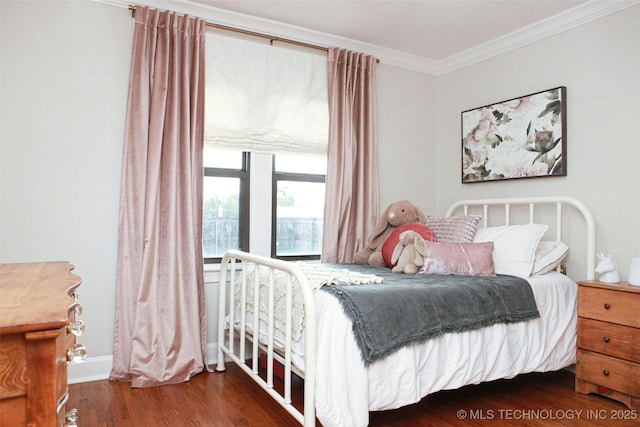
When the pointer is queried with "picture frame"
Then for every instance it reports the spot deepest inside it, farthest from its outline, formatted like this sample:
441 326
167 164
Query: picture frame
524 137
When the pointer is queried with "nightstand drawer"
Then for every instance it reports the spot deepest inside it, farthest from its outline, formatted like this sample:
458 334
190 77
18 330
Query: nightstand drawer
609 305
610 339
615 374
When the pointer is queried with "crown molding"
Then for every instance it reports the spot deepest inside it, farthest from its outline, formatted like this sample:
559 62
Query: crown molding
579 15
585 13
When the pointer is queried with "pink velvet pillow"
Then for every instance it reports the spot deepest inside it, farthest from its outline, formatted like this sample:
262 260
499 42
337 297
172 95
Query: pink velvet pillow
390 244
460 259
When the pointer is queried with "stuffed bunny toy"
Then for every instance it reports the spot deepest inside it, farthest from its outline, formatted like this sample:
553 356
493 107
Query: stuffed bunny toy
409 253
396 214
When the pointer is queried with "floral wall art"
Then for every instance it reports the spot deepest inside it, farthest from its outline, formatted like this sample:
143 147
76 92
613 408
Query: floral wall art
523 137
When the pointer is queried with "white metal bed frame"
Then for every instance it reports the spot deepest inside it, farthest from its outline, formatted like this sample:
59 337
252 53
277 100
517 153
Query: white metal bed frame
307 417
532 202
236 262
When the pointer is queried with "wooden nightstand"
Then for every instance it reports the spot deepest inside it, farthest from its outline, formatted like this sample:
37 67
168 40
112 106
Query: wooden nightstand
608 357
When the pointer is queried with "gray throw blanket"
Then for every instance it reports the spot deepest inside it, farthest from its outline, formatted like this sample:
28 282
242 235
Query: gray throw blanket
412 308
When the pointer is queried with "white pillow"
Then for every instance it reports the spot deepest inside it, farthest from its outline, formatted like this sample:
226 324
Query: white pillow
549 254
514 247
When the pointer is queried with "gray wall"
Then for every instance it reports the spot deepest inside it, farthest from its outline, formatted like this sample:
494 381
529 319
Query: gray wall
599 63
65 68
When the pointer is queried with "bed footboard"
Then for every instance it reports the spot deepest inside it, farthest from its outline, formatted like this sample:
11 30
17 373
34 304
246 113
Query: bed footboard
238 333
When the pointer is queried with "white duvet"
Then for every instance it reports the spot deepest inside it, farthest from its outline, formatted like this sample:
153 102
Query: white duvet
346 390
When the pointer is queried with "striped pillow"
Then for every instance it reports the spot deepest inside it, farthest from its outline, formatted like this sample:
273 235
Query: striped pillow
456 229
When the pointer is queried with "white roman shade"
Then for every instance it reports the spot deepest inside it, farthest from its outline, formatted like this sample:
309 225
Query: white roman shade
265 98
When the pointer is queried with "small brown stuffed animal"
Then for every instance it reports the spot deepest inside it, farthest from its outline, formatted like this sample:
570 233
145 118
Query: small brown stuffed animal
409 253
395 215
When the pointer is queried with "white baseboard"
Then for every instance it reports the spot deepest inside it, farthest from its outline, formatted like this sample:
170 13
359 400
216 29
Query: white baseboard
99 368
92 369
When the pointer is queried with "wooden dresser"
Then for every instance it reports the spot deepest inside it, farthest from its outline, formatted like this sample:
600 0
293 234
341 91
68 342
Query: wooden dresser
608 358
37 325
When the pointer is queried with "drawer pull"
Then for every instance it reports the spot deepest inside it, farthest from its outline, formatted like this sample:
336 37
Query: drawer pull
606 372
607 306
606 339
72 418
62 402
77 353
76 328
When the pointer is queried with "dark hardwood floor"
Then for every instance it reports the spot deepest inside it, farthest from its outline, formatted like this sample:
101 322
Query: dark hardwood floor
233 399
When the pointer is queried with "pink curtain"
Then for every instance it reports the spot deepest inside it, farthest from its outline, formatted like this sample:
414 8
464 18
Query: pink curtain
160 329
352 189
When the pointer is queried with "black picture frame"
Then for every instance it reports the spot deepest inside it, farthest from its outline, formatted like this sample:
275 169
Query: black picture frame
524 137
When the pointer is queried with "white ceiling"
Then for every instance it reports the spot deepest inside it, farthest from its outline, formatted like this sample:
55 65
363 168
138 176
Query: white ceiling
433 29
433 36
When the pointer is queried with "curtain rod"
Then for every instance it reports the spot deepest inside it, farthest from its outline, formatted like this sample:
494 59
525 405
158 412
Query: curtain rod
255 34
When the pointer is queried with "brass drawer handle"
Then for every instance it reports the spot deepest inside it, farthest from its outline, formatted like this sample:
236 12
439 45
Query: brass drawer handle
606 372
607 306
606 339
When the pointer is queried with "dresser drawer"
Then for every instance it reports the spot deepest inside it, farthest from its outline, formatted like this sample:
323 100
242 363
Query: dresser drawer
606 371
61 365
610 339
13 366
609 305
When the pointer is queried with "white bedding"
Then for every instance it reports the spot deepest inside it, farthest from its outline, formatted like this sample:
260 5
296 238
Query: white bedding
346 390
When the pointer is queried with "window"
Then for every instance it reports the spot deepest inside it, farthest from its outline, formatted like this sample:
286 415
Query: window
225 219
266 133
297 206
288 188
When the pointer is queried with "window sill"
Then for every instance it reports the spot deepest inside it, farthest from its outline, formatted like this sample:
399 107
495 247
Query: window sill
212 273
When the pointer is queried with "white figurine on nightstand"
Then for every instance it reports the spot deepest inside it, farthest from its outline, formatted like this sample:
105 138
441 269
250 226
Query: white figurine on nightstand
607 270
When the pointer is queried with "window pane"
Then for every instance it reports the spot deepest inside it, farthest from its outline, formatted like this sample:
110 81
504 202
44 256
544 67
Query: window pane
217 158
221 216
299 212
301 164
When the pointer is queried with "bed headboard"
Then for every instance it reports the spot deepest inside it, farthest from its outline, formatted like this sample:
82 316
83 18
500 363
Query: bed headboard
546 210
